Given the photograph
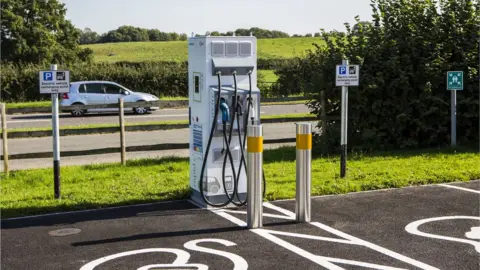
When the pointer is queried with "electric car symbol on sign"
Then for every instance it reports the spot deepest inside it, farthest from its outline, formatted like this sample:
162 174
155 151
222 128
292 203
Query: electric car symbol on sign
102 93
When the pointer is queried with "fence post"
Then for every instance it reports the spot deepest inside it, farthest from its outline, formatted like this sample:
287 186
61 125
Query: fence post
254 176
4 139
323 116
304 172
122 132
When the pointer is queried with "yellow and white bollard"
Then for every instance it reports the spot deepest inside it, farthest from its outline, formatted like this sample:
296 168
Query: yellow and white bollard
304 172
254 176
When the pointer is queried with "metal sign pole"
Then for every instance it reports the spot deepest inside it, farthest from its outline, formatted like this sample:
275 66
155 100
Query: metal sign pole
453 109
56 141
344 125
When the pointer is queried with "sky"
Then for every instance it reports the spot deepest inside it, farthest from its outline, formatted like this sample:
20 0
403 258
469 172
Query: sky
200 16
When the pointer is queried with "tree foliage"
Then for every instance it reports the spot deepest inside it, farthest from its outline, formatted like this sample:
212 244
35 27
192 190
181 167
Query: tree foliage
404 56
128 33
36 31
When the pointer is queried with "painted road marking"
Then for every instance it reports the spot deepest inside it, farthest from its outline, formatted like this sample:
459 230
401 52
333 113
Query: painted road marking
474 233
183 257
127 117
238 262
413 229
327 262
460 188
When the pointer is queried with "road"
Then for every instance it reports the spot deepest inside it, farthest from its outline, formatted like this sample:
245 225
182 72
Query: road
102 141
44 120
426 227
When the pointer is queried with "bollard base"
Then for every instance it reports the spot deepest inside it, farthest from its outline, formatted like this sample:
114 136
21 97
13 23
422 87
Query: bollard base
343 161
56 178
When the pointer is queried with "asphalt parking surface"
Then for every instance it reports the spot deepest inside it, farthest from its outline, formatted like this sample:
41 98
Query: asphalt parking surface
429 227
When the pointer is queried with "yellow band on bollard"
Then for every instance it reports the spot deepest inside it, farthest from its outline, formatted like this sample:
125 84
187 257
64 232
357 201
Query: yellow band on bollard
304 141
254 144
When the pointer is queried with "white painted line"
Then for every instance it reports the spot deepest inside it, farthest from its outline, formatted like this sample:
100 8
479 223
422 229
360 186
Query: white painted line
374 247
231 218
323 261
174 266
361 264
297 250
460 188
279 209
264 214
239 263
413 229
182 256
474 233
312 237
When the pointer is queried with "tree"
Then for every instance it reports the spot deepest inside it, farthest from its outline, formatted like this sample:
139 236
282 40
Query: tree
173 36
404 55
87 36
154 35
183 37
36 31
308 35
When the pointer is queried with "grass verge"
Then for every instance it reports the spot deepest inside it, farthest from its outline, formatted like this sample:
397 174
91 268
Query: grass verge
29 192
46 104
152 123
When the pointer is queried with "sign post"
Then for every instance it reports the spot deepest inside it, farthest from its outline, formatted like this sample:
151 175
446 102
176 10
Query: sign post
54 82
346 75
454 83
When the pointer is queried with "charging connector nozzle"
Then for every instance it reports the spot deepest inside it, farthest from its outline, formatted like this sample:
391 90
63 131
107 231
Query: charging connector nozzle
225 111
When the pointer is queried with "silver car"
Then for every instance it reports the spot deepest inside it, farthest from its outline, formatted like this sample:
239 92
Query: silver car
101 93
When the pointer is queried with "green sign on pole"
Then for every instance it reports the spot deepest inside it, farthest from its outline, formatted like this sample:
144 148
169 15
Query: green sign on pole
455 80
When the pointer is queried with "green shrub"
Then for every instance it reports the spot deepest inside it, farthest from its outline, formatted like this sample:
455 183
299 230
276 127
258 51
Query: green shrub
20 82
404 56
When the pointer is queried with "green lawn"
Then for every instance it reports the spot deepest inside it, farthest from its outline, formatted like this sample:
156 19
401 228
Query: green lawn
21 105
94 186
268 75
178 50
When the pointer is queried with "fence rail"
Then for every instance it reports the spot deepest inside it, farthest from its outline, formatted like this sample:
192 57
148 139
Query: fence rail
159 103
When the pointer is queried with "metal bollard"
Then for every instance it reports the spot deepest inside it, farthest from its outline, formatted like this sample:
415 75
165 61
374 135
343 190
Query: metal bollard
254 176
304 172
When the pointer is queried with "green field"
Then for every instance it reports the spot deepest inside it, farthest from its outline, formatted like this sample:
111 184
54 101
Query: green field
177 50
30 192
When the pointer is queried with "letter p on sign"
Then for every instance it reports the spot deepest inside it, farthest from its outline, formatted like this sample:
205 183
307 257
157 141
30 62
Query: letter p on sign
48 76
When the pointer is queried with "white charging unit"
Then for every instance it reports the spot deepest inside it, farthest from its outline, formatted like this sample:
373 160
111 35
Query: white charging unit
208 55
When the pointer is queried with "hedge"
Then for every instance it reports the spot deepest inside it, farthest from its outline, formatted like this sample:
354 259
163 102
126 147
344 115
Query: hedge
19 83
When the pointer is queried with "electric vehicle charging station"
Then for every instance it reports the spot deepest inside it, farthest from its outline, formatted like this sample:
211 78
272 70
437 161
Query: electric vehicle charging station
223 100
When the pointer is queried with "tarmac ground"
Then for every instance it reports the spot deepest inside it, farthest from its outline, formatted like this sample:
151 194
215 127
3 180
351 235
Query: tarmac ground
427 227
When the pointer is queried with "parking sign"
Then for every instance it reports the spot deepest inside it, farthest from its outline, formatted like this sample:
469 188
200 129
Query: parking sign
48 76
348 75
52 82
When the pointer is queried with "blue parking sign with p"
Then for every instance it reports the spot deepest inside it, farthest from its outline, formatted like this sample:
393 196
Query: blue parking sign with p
342 70
48 76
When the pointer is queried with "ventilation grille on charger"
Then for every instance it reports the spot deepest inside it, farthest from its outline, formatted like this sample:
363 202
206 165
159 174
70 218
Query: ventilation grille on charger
245 48
232 49
218 48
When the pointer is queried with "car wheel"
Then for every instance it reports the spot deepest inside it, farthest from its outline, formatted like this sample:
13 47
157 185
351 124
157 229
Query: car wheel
77 111
140 110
